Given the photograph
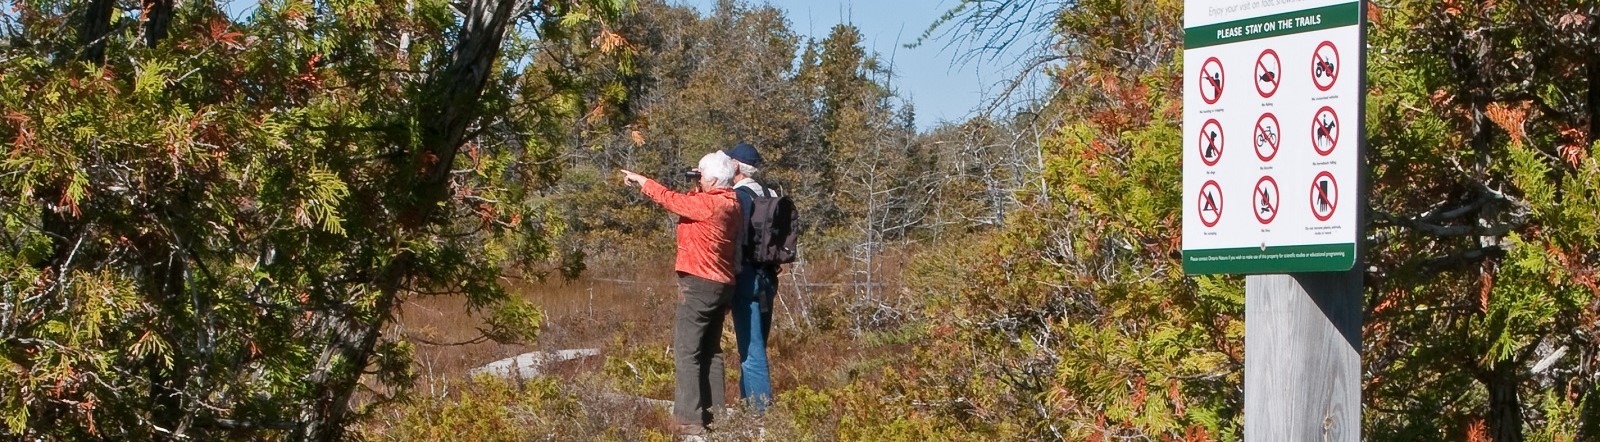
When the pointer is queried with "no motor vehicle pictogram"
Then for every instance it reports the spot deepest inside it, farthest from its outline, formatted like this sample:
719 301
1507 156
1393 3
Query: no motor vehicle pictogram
1324 196
1267 199
1211 80
1325 66
1324 130
1211 145
1210 203
1266 137
1268 72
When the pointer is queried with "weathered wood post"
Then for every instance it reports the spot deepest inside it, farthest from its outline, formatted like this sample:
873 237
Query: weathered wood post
1302 360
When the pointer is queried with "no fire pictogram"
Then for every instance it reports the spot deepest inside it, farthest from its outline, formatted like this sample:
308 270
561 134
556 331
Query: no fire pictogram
1324 196
1211 80
1211 142
1325 66
1210 203
1268 73
1266 199
1266 137
1324 131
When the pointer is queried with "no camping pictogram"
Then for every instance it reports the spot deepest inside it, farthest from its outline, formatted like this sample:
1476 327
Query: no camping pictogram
1267 199
1266 137
1324 196
1325 66
1211 80
1324 131
1269 75
1211 142
1210 203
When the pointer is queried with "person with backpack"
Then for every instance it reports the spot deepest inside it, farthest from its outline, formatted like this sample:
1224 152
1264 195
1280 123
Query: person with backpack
756 284
708 221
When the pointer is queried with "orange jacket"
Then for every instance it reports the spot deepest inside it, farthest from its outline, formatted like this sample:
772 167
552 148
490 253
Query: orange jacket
707 225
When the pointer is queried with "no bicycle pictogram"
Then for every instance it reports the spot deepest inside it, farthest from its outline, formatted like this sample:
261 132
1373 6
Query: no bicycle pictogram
1324 131
1325 66
1324 196
1266 137
1267 199
1210 203
1211 142
1268 73
1211 80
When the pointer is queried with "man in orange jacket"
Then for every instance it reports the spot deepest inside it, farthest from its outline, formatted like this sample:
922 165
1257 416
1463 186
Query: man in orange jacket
708 221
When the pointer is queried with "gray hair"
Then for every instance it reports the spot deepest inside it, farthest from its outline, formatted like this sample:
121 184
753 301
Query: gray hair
717 167
746 169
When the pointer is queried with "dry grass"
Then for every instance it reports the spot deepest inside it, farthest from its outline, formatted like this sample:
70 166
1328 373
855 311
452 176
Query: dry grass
627 312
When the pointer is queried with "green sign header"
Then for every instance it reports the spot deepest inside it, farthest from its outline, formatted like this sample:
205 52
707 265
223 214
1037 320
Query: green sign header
1254 28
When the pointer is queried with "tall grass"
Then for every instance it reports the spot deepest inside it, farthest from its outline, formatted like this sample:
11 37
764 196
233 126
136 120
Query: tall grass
625 309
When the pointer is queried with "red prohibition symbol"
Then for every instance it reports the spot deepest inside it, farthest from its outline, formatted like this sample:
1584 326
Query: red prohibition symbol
1211 80
1268 73
1266 137
1324 196
1210 203
1325 66
1211 142
1324 131
1267 199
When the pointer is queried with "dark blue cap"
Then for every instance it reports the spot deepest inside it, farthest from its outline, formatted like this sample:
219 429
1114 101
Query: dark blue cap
745 153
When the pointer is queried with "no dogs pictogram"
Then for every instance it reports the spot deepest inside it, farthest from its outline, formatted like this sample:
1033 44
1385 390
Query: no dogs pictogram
1268 73
1267 199
1266 137
1325 66
1324 131
1210 203
1211 80
1211 142
1324 196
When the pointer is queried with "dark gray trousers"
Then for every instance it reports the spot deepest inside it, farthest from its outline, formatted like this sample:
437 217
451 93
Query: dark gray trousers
697 346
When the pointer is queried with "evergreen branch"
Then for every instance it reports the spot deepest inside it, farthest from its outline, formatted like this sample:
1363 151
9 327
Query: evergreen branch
483 336
1462 258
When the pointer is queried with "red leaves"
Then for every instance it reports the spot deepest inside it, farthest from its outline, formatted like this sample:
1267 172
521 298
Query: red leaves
1478 431
1485 285
1175 396
1573 150
1140 393
1573 21
1511 117
24 139
220 31
608 41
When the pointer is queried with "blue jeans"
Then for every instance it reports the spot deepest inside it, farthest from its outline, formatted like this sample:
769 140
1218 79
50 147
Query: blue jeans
752 323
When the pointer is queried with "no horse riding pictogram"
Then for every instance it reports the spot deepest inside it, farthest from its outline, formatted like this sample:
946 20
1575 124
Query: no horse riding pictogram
1211 142
1210 203
1211 80
1325 66
1324 131
1324 196
1268 73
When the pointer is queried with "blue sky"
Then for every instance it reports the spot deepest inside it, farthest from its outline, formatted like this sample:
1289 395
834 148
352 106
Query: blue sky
932 76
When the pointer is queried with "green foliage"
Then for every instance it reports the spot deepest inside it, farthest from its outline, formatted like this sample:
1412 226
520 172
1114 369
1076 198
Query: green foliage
1483 219
207 233
641 370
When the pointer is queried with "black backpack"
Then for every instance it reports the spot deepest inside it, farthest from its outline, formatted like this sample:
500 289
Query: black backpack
772 227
